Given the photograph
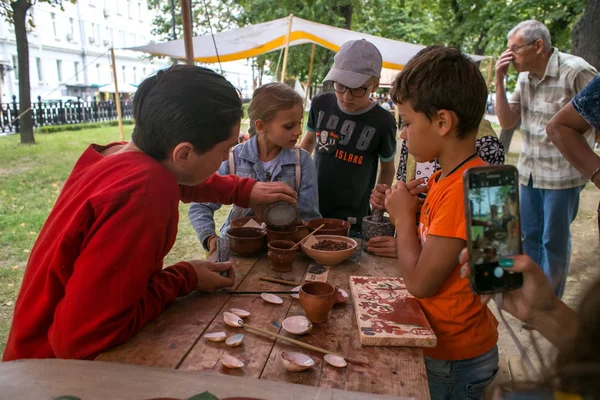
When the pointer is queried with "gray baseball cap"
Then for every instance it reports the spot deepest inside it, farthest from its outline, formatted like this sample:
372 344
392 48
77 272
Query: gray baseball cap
355 63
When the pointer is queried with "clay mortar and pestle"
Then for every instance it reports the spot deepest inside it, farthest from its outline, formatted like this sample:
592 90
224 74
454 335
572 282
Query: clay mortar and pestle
376 225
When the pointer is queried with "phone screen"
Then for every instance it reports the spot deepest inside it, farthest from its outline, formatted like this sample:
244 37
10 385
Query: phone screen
494 227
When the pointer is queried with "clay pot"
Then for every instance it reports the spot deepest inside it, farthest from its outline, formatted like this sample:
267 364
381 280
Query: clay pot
371 228
301 230
279 234
317 299
240 222
281 255
246 241
332 226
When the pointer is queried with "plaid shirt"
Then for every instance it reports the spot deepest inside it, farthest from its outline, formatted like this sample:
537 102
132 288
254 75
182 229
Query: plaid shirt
539 100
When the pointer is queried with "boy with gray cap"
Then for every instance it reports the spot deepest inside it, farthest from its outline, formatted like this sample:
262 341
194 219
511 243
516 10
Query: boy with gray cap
352 135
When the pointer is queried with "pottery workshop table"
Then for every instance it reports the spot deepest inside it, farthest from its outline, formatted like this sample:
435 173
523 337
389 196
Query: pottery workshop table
175 339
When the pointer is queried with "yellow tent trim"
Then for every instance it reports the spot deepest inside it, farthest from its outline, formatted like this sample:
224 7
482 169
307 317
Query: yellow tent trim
278 42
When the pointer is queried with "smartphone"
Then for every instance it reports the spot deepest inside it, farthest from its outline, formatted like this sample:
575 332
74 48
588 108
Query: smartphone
493 227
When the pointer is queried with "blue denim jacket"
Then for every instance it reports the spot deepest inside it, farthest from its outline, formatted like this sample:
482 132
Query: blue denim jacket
248 165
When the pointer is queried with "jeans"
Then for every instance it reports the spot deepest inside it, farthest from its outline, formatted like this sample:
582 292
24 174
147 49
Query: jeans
463 379
546 217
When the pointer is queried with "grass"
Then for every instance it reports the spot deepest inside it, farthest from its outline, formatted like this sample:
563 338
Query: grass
31 177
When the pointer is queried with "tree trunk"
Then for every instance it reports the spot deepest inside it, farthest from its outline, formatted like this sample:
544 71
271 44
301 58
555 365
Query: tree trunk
585 39
20 8
346 12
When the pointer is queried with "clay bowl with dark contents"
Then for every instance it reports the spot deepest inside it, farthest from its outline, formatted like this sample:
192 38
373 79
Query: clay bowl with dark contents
335 249
332 226
246 241
241 222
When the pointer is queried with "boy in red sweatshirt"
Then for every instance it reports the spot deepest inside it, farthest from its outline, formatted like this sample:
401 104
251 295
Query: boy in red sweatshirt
95 276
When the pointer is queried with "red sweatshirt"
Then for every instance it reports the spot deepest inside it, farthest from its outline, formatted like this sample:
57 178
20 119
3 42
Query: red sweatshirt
95 276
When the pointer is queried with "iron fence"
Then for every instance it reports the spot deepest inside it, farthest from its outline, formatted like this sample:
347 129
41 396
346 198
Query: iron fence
62 113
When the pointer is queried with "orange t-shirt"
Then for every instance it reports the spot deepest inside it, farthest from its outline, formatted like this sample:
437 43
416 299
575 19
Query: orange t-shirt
464 327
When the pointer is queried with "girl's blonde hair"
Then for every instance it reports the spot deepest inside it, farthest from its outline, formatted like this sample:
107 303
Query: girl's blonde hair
267 100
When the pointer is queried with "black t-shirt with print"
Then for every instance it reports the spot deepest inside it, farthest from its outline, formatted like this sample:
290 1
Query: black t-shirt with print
347 150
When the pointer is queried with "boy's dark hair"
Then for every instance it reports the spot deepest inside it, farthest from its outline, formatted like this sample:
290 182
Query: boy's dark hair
443 78
184 103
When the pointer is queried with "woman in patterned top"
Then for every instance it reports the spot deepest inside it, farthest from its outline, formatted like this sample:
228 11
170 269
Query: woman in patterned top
567 127
490 150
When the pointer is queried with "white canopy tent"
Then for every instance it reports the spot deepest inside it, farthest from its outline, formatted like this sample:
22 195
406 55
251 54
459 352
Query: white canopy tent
253 40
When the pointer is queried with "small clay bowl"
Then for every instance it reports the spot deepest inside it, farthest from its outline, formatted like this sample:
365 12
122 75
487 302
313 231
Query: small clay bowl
281 255
246 241
302 230
330 257
317 299
281 234
240 222
332 226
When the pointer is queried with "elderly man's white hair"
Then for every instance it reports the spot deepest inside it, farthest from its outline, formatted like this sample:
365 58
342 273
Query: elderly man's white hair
532 30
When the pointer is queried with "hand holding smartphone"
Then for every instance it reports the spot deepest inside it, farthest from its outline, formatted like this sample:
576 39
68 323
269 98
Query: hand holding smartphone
493 227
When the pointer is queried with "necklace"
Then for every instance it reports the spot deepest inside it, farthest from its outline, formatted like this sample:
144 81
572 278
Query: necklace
462 163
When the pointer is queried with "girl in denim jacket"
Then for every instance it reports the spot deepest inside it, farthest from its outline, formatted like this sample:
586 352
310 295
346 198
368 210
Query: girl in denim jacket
271 154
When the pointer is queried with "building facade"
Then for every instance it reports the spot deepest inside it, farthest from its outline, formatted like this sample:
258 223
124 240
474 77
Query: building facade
68 49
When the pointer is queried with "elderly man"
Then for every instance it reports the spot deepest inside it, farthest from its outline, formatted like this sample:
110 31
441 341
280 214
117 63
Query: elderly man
550 185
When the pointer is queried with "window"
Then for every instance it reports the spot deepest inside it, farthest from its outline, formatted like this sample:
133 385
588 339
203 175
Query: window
38 64
129 13
135 74
140 11
53 16
132 39
107 36
98 74
76 66
123 38
144 73
59 70
72 27
124 76
98 35
16 67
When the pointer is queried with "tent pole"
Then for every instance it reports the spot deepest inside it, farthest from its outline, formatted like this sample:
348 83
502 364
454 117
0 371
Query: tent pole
287 48
117 97
489 74
310 68
187 31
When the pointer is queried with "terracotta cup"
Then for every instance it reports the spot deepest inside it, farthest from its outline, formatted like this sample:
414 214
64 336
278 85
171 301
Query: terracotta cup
281 234
301 230
317 299
281 255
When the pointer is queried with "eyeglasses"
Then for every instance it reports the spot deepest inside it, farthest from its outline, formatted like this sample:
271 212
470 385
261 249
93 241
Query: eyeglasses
356 92
515 48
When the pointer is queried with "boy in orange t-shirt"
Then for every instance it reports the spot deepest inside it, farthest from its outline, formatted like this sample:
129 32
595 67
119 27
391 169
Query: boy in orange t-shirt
441 97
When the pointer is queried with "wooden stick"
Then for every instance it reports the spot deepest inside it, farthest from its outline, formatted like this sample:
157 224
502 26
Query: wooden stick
186 20
290 283
287 49
117 97
273 292
301 344
310 69
306 237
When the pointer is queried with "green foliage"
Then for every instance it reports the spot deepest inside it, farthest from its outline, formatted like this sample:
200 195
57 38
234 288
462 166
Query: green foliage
474 26
80 127
7 7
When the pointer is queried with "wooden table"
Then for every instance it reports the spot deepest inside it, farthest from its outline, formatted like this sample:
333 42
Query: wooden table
175 339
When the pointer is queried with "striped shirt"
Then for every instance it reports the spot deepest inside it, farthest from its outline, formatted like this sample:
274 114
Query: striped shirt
539 100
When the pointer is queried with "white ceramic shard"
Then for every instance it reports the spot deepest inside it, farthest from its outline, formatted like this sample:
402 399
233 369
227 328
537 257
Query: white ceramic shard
231 362
297 325
216 336
232 319
342 296
234 340
240 312
293 361
335 360
271 298
297 294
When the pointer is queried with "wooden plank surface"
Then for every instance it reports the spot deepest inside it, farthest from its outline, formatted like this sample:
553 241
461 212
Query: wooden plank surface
387 314
255 349
165 341
95 380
